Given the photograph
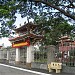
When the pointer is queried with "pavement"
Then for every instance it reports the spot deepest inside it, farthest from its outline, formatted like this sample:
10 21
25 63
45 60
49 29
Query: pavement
10 70
22 68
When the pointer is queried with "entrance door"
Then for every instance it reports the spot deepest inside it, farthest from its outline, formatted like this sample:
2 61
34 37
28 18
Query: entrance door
23 52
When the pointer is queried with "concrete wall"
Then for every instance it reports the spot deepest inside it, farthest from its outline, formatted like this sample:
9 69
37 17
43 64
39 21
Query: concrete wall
39 65
68 69
65 69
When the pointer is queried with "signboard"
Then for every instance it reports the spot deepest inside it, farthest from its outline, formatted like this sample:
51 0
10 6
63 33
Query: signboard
26 43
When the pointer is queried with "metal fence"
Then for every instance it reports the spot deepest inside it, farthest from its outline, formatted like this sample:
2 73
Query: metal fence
40 55
67 57
3 54
12 55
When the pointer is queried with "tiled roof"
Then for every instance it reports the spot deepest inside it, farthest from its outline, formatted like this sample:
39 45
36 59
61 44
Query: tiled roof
25 27
25 35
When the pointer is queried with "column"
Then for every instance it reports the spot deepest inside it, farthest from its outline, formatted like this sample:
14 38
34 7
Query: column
8 55
51 54
1 56
17 56
29 56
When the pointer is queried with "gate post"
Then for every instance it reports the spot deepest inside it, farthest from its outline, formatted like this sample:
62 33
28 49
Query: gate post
50 54
17 56
8 56
29 56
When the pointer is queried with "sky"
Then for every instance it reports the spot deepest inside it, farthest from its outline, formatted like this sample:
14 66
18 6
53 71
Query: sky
5 42
19 21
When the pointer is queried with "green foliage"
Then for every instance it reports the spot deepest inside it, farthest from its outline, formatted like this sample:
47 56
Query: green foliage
7 17
53 28
28 8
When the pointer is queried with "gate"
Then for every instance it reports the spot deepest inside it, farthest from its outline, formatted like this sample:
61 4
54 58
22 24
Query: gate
23 54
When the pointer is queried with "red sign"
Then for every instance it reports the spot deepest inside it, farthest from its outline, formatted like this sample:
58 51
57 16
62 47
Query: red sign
26 43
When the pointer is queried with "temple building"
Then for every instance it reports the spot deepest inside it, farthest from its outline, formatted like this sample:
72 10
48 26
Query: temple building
66 44
26 39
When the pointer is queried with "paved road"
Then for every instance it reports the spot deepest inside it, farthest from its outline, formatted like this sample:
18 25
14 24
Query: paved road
10 70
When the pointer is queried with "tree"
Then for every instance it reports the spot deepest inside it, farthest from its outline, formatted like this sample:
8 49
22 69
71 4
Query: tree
64 6
53 28
7 17
30 9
